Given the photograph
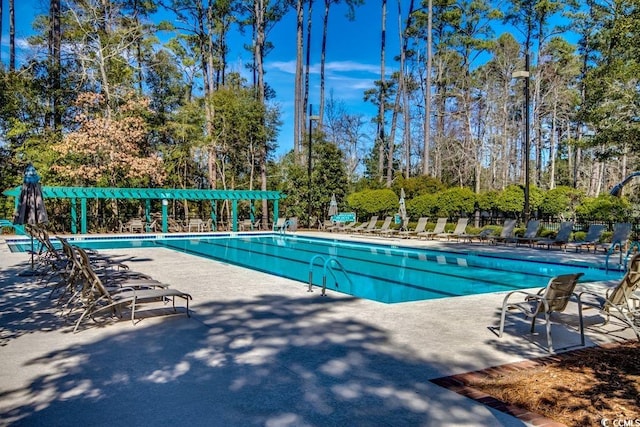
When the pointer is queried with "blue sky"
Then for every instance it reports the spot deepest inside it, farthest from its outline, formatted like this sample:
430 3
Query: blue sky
352 62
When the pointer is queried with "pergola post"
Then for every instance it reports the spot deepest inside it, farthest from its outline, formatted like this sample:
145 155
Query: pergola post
74 216
275 211
214 216
83 213
147 213
165 222
234 215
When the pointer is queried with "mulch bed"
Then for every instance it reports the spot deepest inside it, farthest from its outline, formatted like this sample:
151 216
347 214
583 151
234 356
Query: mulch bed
590 386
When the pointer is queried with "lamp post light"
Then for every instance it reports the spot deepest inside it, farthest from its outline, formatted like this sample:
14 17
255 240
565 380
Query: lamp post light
526 76
312 118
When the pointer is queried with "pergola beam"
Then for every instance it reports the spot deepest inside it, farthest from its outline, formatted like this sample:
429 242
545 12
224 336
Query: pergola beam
148 194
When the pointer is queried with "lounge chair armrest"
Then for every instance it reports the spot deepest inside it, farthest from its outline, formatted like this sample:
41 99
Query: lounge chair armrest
525 293
594 299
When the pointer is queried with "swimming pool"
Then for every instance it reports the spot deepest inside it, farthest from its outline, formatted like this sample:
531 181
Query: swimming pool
384 273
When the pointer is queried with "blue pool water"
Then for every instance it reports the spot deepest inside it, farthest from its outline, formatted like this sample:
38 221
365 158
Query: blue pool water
383 273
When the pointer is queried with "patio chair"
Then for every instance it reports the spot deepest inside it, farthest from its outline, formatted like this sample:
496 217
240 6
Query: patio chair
342 227
96 299
594 233
530 233
279 224
174 226
621 302
619 239
358 228
439 228
371 224
112 273
195 224
482 236
245 225
506 234
383 229
561 239
553 298
421 226
460 229
47 256
328 225
134 225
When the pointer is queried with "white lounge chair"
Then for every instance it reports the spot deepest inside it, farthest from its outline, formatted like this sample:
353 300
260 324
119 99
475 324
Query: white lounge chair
439 228
421 226
506 234
460 230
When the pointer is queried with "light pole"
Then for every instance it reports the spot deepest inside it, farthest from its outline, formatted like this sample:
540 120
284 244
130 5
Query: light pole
526 76
312 118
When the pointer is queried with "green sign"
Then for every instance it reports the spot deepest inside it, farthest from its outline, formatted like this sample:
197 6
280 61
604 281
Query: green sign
344 217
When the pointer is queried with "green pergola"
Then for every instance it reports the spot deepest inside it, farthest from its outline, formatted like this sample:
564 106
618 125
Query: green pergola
149 194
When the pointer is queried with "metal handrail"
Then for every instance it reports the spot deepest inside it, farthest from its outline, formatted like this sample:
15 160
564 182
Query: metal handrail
633 245
327 267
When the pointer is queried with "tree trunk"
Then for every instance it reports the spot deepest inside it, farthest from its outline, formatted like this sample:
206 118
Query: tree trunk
260 24
392 138
406 109
1 17
426 149
554 144
12 36
323 54
308 61
54 60
383 90
298 112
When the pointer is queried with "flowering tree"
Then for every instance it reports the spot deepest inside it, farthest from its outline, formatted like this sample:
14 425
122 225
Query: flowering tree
109 149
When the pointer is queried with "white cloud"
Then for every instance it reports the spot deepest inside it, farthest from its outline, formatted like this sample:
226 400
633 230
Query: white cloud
350 66
22 43
289 67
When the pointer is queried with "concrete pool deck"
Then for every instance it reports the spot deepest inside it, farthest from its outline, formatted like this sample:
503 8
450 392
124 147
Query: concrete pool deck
259 350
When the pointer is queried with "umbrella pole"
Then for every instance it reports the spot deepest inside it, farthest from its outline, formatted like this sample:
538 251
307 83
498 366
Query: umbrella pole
32 252
31 271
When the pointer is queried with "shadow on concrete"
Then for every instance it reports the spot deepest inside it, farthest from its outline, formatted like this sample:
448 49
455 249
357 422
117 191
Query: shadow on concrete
270 360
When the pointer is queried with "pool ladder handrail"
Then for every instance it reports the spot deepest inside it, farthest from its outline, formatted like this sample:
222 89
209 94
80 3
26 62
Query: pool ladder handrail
326 267
633 246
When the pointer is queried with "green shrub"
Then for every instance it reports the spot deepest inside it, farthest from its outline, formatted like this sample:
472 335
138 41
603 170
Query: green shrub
579 236
455 202
423 205
373 202
416 186
606 236
605 208
510 201
487 201
561 201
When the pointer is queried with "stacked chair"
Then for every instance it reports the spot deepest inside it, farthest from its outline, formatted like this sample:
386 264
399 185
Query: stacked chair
89 285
